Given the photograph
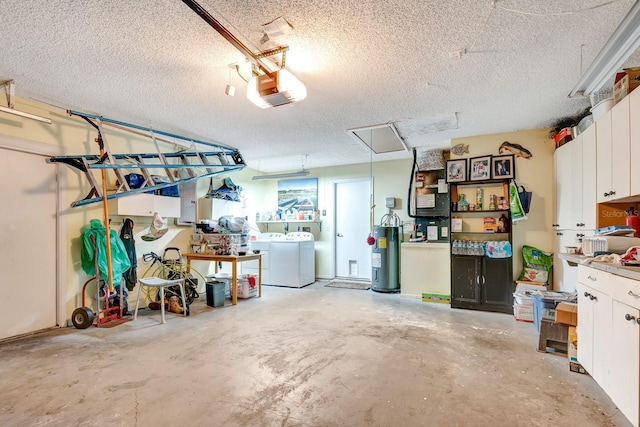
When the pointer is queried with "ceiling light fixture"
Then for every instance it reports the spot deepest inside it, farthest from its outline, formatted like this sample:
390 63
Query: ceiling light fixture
281 175
301 172
9 89
275 88
269 88
622 43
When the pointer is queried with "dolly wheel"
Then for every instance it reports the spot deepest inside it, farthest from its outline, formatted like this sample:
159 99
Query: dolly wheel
82 317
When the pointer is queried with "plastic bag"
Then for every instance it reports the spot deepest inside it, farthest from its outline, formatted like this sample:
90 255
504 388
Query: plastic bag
517 212
525 197
498 249
234 224
536 265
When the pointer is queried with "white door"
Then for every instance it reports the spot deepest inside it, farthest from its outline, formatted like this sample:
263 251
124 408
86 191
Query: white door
28 240
353 254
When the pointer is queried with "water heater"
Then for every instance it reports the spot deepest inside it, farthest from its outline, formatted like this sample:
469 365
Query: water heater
385 259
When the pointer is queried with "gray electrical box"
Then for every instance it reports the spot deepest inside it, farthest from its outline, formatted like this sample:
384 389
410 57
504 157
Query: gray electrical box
390 202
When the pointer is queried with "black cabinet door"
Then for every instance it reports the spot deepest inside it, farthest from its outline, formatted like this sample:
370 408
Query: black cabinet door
465 280
497 286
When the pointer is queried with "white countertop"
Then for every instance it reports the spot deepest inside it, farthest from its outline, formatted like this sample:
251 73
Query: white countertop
609 267
441 245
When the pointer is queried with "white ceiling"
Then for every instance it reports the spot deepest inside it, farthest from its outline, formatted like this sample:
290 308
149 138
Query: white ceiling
365 62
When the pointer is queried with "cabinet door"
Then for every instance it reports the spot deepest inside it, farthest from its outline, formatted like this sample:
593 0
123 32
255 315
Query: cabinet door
575 183
497 283
603 153
634 140
620 154
564 183
167 207
589 207
564 276
585 327
465 280
625 357
601 339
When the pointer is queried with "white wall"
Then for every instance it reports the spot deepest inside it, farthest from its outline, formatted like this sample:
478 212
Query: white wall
536 174
391 179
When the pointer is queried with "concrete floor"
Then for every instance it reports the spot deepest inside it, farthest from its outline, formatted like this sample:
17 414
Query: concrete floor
316 356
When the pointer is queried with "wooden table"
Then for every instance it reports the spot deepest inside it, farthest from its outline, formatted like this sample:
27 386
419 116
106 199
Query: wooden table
234 260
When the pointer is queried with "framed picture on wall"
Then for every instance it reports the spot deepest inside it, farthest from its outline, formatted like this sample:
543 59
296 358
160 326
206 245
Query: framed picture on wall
503 167
456 170
480 168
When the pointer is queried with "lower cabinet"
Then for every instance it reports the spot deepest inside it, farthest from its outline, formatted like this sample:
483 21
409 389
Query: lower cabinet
609 336
482 283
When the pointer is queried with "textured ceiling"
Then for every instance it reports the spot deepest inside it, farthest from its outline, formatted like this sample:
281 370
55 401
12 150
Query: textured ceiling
365 62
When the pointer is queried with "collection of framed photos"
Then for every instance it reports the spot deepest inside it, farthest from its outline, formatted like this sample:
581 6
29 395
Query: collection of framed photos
481 168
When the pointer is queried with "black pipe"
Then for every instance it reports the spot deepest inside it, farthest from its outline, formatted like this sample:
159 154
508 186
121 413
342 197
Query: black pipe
206 16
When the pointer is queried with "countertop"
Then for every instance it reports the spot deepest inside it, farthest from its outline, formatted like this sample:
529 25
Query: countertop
441 245
609 267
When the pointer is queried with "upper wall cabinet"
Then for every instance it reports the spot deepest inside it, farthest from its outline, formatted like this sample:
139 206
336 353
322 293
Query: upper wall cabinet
614 151
575 164
145 205
603 153
634 140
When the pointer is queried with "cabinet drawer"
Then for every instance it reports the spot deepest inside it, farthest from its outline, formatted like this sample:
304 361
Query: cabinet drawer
627 291
596 279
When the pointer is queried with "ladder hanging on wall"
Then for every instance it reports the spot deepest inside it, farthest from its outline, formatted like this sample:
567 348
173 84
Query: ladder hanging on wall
181 166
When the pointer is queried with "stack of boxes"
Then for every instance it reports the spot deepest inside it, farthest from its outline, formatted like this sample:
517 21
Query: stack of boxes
523 300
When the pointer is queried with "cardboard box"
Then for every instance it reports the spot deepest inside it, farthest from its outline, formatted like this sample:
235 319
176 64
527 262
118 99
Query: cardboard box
490 224
523 312
456 225
572 351
567 313
625 82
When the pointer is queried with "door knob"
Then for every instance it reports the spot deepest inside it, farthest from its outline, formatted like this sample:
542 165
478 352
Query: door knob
340 235
629 317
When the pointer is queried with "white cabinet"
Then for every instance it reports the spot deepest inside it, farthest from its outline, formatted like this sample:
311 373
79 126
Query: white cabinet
603 153
625 354
634 140
145 205
594 324
620 149
564 162
564 276
575 166
609 336
614 153
211 208
625 347
425 268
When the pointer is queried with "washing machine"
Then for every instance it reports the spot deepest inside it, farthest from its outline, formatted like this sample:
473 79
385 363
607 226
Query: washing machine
292 260
262 243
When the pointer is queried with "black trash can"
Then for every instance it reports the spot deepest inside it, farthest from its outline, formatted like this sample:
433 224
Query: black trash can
215 294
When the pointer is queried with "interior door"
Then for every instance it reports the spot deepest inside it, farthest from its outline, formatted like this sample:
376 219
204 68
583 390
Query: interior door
353 254
28 238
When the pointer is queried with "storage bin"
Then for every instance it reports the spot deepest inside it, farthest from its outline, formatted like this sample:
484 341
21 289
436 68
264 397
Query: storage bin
215 293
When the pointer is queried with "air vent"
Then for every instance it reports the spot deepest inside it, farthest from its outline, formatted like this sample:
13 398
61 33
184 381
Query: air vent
379 138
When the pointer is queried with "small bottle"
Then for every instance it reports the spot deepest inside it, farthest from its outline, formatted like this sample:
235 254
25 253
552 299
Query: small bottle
492 202
503 224
479 197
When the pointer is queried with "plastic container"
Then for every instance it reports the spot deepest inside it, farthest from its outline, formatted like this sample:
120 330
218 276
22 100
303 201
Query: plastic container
601 108
215 293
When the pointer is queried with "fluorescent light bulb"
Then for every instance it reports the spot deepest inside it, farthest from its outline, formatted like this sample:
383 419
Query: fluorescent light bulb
281 175
25 115
622 43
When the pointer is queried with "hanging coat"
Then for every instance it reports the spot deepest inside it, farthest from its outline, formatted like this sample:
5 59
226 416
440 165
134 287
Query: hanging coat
126 235
119 259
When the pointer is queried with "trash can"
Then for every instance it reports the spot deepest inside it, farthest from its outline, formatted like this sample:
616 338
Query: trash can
215 294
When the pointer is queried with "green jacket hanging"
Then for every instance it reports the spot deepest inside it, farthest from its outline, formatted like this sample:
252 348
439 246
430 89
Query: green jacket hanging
119 258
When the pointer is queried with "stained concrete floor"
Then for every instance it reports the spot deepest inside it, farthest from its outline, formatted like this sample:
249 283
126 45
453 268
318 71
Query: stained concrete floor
316 356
